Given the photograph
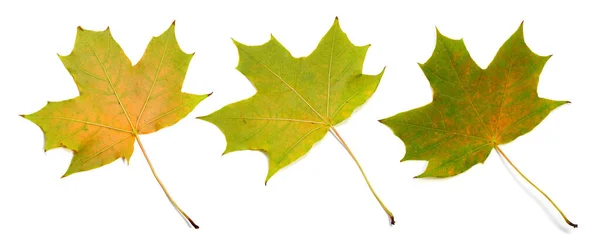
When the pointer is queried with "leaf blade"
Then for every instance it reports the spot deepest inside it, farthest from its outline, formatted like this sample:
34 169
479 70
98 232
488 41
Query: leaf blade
99 124
484 107
297 99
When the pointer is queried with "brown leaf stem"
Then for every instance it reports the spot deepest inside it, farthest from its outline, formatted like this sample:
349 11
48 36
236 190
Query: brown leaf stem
387 211
163 186
537 188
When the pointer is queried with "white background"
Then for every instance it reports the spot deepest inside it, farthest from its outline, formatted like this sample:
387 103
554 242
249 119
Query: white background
322 197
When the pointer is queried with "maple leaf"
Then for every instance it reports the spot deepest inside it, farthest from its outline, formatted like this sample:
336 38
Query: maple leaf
473 110
117 101
297 100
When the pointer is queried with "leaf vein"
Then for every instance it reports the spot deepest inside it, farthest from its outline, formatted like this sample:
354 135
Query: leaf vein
160 64
288 85
87 160
82 121
277 119
296 144
439 130
463 88
165 114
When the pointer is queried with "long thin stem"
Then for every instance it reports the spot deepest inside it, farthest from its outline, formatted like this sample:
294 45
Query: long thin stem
539 190
162 185
389 213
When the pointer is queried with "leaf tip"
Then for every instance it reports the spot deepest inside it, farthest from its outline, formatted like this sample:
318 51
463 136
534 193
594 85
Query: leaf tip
79 28
270 173
442 37
228 149
519 31
235 42
268 178
336 22
173 23
209 94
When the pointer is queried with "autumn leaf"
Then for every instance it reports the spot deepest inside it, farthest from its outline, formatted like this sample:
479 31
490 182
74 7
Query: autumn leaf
117 101
473 110
297 100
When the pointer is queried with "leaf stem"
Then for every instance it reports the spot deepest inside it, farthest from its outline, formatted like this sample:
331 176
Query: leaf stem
162 185
539 190
387 211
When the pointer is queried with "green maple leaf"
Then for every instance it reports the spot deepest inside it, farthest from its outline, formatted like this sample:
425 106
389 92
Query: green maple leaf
297 100
117 101
473 110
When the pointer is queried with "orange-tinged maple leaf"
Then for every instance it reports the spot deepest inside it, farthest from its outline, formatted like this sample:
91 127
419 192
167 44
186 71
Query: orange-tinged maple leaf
474 110
117 101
